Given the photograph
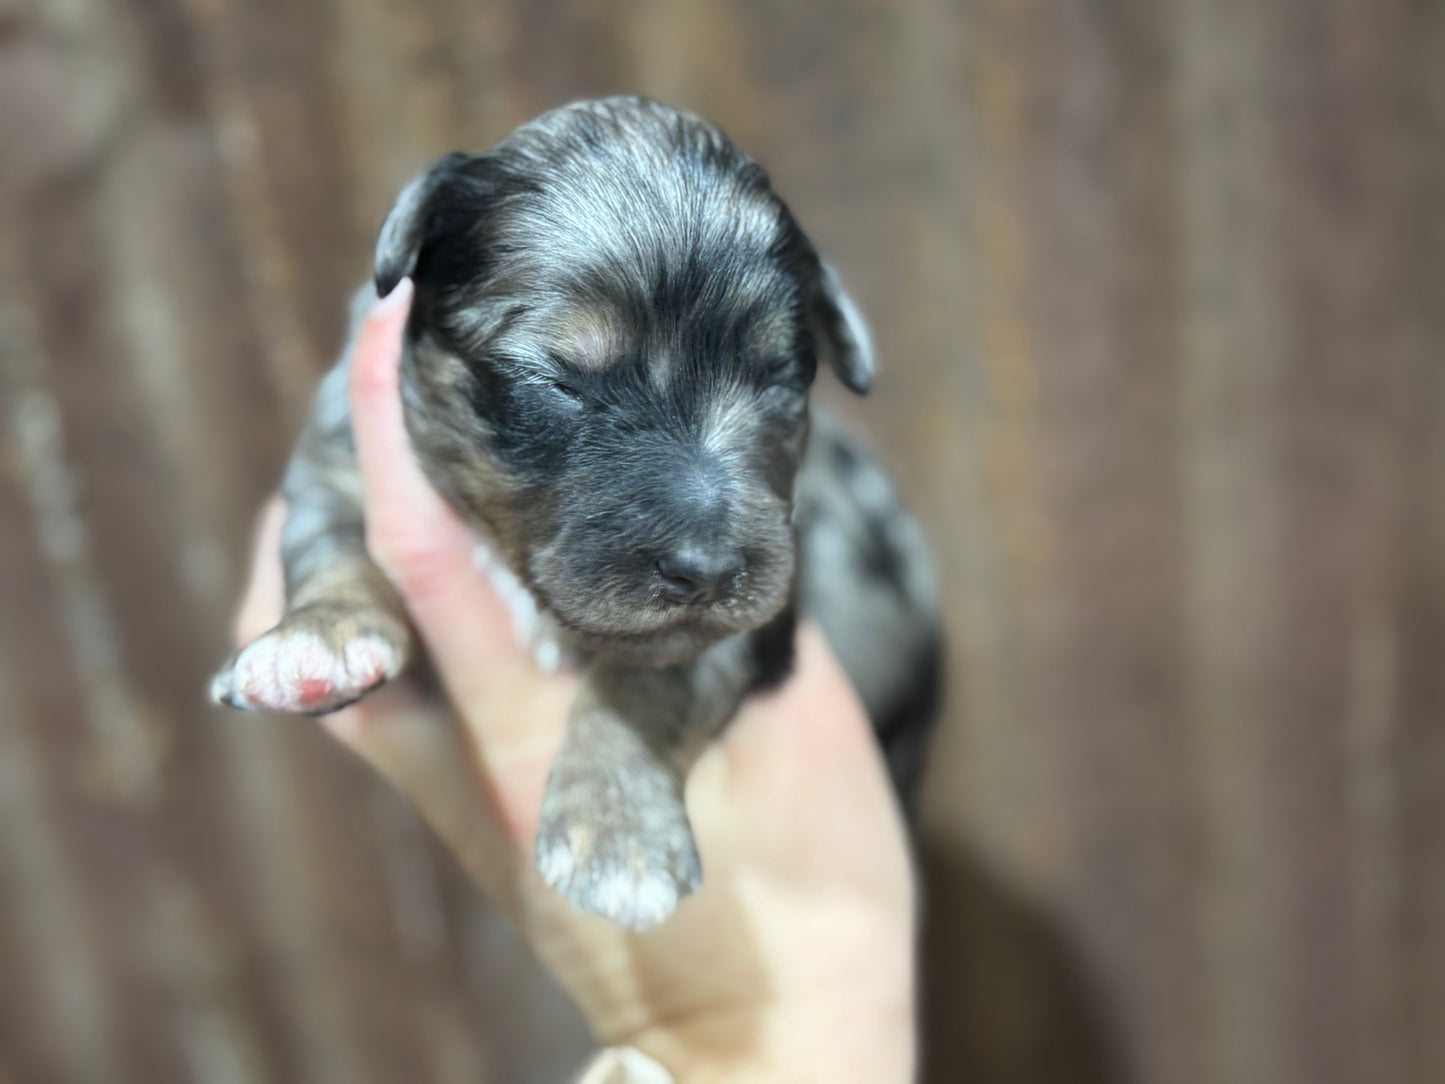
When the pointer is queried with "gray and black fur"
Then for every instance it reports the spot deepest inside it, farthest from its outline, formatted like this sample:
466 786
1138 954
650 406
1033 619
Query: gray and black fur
606 369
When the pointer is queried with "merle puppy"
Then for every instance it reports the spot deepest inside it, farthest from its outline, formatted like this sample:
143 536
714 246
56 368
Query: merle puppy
606 370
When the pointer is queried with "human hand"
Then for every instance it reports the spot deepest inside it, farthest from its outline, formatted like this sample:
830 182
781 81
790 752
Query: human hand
795 959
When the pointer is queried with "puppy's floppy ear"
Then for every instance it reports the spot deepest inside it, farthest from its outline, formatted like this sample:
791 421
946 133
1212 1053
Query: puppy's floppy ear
413 218
839 330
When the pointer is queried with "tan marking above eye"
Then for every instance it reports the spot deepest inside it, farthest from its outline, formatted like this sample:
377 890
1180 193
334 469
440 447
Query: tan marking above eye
584 339
733 417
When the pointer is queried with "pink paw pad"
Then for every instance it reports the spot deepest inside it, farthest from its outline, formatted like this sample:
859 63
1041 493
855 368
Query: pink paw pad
313 690
296 671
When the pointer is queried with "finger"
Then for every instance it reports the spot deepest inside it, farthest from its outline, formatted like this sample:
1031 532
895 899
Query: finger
624 1065
265 596
408 525
408 511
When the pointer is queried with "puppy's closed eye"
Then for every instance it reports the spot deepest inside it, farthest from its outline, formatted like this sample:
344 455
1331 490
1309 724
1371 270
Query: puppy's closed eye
551 379
566 390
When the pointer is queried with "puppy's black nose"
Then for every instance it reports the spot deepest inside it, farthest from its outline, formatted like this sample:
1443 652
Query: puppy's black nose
697 575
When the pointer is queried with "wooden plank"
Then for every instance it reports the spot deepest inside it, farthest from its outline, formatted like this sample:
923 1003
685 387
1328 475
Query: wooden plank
1156 291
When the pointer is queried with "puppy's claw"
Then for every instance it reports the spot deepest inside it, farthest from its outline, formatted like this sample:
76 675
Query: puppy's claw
302 666
632 873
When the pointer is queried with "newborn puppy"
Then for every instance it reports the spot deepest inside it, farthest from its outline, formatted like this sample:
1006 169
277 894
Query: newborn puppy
606 370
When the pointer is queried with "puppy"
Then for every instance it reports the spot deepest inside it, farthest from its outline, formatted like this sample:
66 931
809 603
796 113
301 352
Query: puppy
606 370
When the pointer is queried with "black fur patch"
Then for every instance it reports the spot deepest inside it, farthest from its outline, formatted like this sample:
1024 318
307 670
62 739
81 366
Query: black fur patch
845 459
904 727
880 558
774 651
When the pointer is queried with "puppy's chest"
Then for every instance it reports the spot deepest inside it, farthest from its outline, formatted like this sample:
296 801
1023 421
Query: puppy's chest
535 628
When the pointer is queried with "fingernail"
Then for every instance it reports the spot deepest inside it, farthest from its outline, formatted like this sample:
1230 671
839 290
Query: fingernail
624 1065
395 301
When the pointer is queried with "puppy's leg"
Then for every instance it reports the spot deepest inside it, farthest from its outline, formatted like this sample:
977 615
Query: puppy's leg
614 837
344 630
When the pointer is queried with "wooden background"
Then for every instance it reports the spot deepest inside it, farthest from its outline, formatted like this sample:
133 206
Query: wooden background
1158 291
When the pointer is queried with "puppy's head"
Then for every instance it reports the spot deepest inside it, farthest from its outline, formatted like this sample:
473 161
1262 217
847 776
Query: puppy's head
615 327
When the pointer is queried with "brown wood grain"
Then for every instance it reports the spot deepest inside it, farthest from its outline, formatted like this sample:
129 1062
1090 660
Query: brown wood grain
1157 291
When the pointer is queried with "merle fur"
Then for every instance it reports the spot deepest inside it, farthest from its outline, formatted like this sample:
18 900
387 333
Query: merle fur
615 328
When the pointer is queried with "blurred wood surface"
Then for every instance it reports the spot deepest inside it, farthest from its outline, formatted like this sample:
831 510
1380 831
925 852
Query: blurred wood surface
1158 294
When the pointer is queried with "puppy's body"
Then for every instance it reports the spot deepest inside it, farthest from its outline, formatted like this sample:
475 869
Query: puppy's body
606 368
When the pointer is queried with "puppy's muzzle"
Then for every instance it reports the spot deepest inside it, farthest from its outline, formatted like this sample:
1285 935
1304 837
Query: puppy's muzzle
700 564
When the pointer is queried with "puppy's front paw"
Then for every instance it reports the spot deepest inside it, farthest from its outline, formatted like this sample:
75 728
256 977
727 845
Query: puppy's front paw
619 852
317 660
